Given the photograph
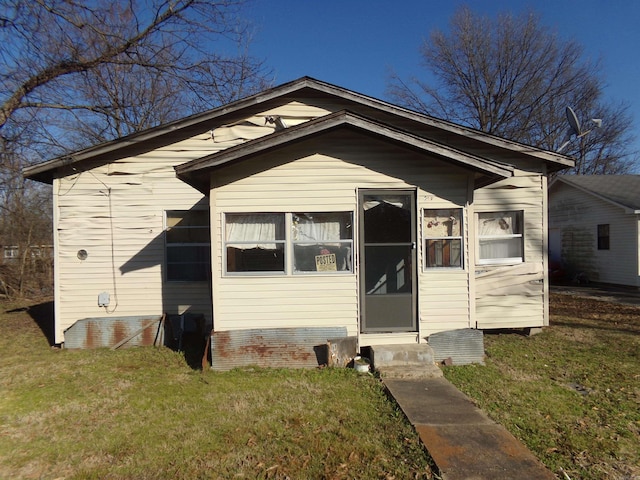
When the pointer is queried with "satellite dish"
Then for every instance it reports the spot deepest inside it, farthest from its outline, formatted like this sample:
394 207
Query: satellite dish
575 129
574 123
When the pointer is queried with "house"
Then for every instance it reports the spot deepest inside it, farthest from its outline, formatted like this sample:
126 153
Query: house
11 253
307 205
594 227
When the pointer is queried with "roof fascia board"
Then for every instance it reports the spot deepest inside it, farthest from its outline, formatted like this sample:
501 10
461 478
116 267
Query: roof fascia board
443 124
597 195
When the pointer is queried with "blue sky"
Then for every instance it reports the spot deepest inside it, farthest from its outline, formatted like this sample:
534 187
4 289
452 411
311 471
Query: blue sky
354 43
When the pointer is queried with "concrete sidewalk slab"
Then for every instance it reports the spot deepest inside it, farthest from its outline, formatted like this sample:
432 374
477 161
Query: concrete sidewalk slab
464 443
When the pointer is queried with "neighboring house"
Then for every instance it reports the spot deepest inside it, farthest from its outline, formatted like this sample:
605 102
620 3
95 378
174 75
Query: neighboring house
11 253
594 227
306 205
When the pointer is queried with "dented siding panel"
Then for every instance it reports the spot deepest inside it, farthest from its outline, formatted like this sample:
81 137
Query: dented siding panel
514 296
253 127
123 203
96 211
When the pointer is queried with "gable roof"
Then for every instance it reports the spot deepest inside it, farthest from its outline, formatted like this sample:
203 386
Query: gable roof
461 138
191 172
620 190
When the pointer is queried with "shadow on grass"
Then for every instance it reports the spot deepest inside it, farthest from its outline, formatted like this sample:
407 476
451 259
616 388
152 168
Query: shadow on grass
193 349
42 314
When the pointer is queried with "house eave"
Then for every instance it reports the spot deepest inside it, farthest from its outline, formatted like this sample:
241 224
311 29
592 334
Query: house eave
199 123
627 209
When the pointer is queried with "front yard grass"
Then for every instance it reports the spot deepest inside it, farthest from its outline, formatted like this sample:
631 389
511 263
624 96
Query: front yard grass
143 413
571 393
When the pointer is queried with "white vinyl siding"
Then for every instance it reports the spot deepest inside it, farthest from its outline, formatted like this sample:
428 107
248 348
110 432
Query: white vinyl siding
115 212
329 182
123 203
514 296
96 211
576 216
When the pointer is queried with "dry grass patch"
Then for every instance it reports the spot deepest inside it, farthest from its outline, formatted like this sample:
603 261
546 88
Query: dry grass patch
143 413
571 393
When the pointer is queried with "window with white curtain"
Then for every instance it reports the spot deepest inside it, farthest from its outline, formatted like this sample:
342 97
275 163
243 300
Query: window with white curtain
255 242
442 231
319 242
500 237
188 247
322 242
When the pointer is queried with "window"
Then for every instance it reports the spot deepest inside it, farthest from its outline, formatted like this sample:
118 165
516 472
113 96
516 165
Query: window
443 238
10 252
188 245
263 242
603 237
322 242
500 237
255 242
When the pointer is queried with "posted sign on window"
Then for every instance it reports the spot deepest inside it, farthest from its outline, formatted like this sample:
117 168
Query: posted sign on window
326 263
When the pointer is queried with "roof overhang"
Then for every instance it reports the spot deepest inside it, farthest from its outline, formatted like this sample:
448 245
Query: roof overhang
195 172
566 179
438 131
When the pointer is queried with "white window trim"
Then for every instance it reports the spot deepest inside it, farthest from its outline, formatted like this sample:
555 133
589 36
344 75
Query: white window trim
505 260
266 273
425 237
288 247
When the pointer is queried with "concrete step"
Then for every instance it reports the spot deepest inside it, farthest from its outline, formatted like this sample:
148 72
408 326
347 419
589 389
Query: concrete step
405 361
399 355
410 372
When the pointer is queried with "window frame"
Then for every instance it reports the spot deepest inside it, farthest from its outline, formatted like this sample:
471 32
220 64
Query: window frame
289 246
342 241
604 239
169 245
226 243
519 216
426 238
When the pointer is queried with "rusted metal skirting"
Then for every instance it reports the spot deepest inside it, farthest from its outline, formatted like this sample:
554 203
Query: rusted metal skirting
107 332
272 347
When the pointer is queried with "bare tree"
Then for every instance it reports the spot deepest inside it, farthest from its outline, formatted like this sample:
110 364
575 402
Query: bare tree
93 71
513 77
75 73
48 44
25 230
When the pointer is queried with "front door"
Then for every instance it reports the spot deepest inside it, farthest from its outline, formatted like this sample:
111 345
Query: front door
387 260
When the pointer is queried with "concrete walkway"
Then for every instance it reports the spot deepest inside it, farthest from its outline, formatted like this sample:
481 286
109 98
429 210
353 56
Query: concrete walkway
464 443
